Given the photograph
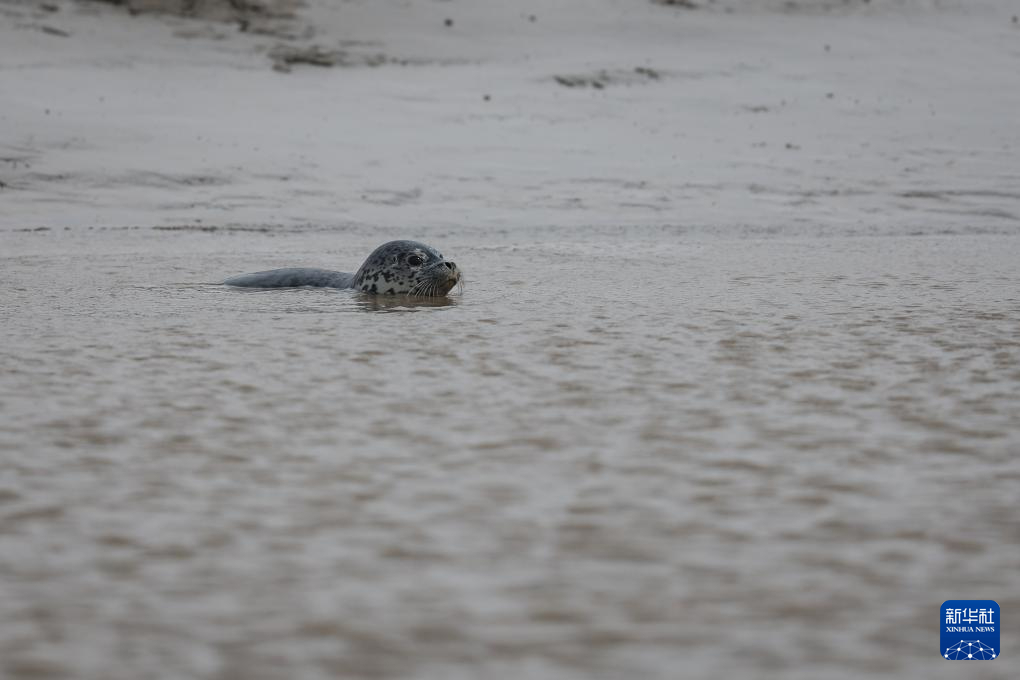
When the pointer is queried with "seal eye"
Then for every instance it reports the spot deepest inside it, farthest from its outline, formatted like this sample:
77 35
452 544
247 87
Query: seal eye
414 260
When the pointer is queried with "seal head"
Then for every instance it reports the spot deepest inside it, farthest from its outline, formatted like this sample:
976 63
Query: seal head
406 268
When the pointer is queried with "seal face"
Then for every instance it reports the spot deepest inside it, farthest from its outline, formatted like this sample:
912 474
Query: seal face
394 268
408 268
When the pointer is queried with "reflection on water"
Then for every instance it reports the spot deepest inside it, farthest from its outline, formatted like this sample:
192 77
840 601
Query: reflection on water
331 300
403 303
609 457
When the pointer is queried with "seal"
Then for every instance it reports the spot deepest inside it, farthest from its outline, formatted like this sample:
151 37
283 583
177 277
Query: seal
394 268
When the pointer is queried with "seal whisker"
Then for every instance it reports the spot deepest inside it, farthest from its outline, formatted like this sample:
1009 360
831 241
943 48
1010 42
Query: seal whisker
419 289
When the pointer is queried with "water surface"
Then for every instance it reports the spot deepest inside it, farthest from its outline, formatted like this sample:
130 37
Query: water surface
617 453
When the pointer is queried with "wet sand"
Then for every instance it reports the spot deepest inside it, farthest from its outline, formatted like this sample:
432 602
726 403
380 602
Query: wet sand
732 389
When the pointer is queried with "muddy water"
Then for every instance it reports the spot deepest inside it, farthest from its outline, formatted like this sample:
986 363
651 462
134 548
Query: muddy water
618 453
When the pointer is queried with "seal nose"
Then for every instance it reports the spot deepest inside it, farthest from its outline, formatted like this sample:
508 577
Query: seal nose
452 266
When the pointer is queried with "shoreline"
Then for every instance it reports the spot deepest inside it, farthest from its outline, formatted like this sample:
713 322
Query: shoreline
768 119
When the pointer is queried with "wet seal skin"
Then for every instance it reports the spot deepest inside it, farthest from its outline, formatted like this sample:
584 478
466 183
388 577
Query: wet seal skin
394 268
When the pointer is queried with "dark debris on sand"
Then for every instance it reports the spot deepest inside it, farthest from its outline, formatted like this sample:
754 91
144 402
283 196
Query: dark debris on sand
286 56
217 10
601 79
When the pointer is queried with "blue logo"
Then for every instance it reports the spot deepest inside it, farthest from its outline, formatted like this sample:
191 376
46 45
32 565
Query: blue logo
970 630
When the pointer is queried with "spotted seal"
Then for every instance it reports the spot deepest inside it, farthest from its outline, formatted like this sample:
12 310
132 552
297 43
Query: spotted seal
394 268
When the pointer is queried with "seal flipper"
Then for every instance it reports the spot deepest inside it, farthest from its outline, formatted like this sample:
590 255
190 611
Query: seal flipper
291 278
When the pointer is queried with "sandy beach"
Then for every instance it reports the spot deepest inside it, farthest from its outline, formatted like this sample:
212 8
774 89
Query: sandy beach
896 116
732 388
